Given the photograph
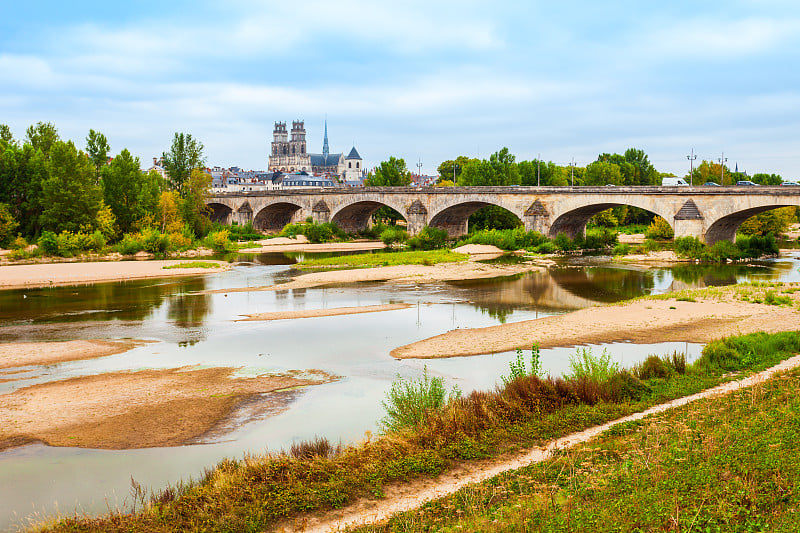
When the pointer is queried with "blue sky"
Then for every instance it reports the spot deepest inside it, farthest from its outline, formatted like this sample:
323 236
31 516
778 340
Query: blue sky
419 80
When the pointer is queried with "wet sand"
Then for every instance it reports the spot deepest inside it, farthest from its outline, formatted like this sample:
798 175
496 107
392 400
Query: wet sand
125 410
394 274
641 321
16 354
313 313
53 274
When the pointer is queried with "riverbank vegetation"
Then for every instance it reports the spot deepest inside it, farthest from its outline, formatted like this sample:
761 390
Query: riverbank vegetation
258 492
429 257
708 466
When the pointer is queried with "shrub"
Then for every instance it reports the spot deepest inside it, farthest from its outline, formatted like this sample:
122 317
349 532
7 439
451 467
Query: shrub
48 242
690 247
179 241
649 245
625 386
756 245
659 229
562 242
98 241
428 239
547 247
154 241
129 245
220 242
599 238
392 235
722 250
19 243
621 249
318 447
596 368
652 367
408 401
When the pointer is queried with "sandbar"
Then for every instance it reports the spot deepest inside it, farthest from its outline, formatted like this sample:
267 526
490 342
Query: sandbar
641 321
53 274
301 244
16 354
395 274
313 313
125 410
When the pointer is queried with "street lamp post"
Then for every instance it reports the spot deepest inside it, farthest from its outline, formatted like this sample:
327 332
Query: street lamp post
722 160
691 159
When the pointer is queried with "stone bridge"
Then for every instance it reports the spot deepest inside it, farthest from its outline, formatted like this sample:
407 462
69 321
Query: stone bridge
709 213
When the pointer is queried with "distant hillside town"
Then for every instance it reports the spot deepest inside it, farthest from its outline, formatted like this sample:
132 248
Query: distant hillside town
289 165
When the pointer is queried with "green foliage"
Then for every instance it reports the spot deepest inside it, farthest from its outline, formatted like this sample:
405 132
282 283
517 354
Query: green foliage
500 169
606 218
774 221
547 247
131 194
316 233
621 249
755 351
129 245
43 136
192 264
745 247
519 370
508 239
493 217
597 368
385 259
392 235
154 242
691 247
48 243
184 156
391 173
98 149
242 233
8 225
192 206
220 241
428 239
597 238
71 196
659 229
408 402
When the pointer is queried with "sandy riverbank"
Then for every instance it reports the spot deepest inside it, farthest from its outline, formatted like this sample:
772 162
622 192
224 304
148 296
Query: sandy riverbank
394 274
641 321
124 410
52 274
313 313
17 354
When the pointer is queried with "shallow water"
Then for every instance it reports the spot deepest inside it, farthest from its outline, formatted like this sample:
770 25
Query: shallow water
193 329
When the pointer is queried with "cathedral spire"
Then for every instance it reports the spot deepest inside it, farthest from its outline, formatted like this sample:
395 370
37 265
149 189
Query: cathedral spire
325 149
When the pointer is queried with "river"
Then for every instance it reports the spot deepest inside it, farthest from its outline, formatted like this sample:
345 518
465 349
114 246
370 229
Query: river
200 330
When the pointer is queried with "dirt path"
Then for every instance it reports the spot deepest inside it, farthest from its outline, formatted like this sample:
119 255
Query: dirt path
410 496
53 274
124 410
641 321
313 313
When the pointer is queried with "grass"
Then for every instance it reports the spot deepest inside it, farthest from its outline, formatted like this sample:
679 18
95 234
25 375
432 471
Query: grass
753 292
257 492
709 466
192 264
431 257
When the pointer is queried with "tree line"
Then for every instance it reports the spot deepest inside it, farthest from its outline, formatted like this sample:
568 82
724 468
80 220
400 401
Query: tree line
50 185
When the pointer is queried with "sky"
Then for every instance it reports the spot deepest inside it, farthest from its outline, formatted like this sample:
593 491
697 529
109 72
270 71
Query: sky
422 80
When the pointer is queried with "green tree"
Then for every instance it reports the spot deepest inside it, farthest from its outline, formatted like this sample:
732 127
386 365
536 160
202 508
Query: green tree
774 221
493 217
391 173
7 226
184 156
131 194
499 169
98 149
22 171
42 137
5 134
767 179
602 173
193 208
450 170
71 198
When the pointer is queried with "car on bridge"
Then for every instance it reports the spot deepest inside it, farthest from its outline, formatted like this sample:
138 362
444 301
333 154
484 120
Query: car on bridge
790 183
711 184
746 183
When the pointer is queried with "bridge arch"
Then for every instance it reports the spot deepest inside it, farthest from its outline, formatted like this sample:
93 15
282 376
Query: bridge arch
273 217
455 218
220 213
725 227
572 221
355 217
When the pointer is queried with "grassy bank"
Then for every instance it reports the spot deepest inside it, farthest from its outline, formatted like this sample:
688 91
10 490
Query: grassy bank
257 492
385 259
725 464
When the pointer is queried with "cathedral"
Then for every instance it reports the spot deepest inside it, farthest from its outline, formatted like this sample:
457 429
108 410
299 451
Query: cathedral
289 154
